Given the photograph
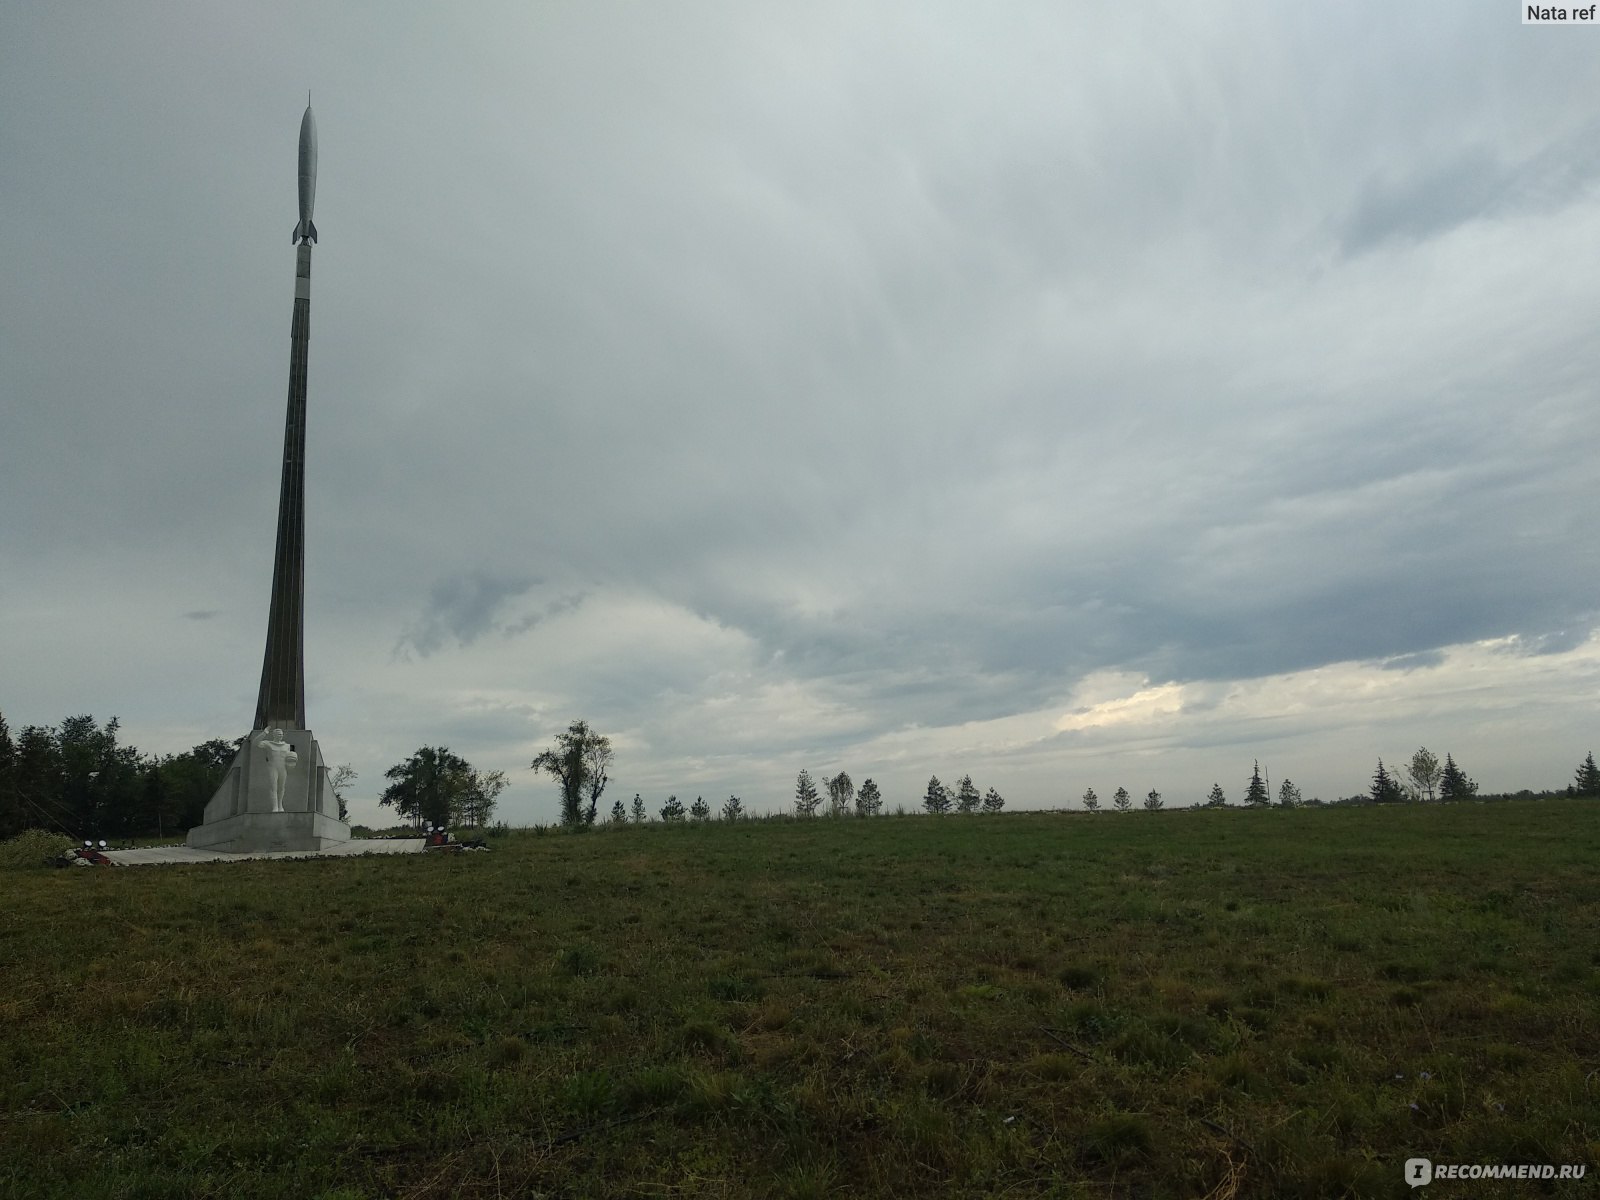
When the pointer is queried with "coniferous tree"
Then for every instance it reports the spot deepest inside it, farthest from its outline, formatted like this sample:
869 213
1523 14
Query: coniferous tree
1587 780
1384 789
1288 795
1217 798
1121 800
806 797
937 798
638 809
672 810
732 809
1453 781
700 810
619 813
1255 793
993 801
1091 802
868 800
1152 801
967 799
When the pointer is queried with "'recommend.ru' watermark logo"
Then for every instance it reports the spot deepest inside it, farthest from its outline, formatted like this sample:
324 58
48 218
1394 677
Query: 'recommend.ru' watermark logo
1422 1171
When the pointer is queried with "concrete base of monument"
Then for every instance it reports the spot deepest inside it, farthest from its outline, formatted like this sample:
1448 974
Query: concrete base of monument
265 832
274 798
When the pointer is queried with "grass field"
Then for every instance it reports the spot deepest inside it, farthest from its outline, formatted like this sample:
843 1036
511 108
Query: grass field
1185 1004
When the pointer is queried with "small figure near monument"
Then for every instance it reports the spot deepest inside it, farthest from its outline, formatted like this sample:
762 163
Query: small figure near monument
280 757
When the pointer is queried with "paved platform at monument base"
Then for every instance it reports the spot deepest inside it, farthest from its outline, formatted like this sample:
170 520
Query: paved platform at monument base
153 855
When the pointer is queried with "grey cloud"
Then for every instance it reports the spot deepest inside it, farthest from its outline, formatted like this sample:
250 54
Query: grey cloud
462 608
949 353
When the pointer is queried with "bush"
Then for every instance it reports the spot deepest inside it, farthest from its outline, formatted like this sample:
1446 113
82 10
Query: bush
33 848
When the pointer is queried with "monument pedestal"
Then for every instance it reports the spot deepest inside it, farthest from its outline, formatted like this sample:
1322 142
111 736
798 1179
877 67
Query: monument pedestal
248 816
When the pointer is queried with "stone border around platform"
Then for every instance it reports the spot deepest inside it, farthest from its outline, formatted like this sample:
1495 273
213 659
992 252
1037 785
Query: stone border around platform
166 855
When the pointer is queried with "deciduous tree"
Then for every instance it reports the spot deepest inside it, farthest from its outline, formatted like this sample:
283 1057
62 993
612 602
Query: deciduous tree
1288 795
841 791
1423 771
428 787
580 761
339 781
479 797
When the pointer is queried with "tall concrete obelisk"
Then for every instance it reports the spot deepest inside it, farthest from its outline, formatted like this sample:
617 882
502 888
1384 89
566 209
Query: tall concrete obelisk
276 794
282 700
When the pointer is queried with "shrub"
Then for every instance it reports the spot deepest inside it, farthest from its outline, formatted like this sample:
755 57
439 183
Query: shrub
33 848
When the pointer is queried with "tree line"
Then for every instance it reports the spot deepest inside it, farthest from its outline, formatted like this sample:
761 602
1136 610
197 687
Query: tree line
78 778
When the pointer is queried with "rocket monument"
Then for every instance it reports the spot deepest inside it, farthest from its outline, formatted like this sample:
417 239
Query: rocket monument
276 794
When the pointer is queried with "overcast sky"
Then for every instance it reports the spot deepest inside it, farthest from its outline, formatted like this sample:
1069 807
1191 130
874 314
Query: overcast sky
1069 395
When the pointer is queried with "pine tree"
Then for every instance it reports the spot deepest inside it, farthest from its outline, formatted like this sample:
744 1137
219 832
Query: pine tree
1217 798
937 798
806 797
1091 802
1121 800
638 809
700 810
993 801
1288 795
868 800
672 810
732 809
1384 789
1152 802
1453 781
619 814
1587 781
967 800
1255 793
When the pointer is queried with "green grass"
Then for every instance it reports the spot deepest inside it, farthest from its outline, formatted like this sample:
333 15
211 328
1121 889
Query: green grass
1176 1004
